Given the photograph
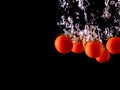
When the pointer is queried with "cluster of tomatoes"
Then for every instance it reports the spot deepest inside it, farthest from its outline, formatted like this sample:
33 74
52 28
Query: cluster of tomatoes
93 49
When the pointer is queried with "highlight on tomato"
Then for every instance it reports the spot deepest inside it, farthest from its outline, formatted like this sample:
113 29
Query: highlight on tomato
113 45
63 44
94 49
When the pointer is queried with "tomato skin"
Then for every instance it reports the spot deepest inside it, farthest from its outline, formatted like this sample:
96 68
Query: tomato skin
94 49
77 47
113 45
104 57
63 44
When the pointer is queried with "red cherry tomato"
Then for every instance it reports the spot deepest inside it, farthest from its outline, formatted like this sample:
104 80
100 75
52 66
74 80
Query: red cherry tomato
63 44
113 45
78 47
104 57
94 49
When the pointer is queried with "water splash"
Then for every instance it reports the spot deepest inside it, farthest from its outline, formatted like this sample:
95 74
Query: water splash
92 28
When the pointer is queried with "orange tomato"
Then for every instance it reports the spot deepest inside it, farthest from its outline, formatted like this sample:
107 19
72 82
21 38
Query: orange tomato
77 47
113 45
63 44
104 57
94 49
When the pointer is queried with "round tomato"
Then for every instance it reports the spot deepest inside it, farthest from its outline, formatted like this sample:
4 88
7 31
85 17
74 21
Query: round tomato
63 44
77 47
104 57
113 45
94 49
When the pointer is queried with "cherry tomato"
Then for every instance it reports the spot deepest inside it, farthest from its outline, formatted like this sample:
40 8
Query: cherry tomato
63 44
77 47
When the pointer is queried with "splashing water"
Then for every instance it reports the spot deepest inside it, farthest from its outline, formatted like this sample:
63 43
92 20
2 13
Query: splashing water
79 22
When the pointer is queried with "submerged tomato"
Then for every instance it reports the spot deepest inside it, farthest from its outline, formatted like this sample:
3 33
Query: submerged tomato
63 44
104 57
94 49
77 47
113 45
